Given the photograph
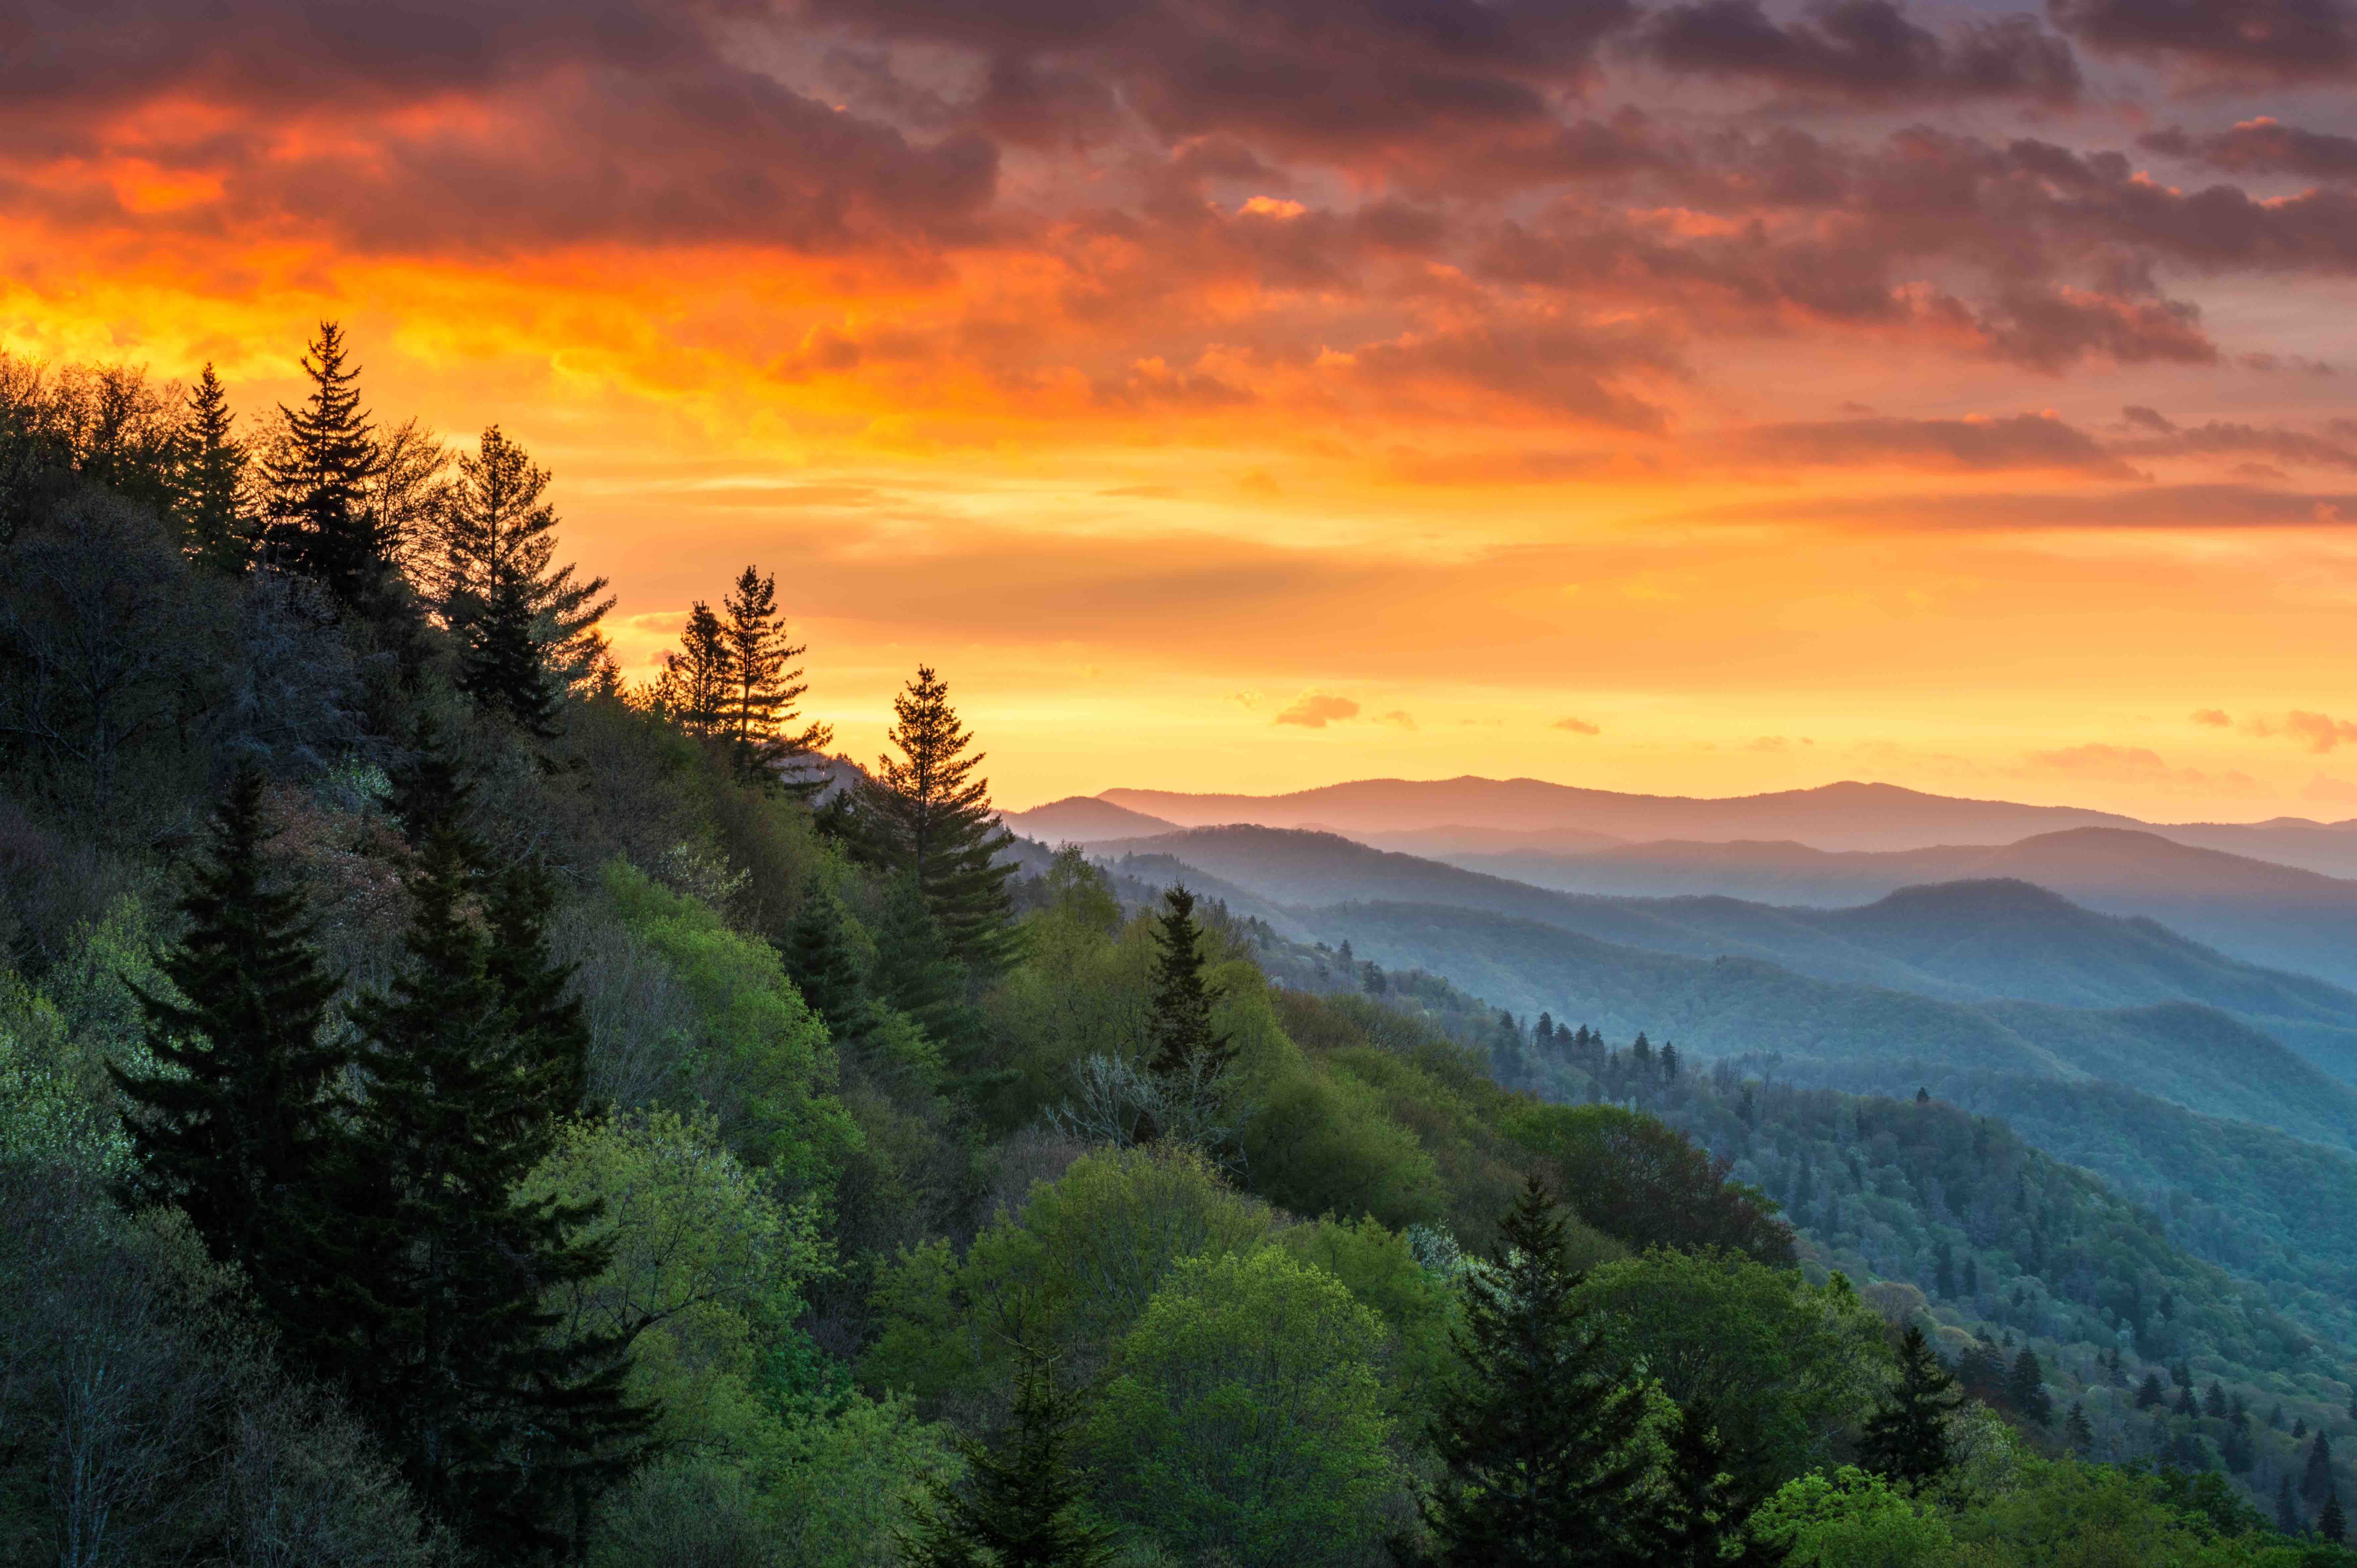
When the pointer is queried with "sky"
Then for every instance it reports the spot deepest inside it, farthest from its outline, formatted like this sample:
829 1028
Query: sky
1693 398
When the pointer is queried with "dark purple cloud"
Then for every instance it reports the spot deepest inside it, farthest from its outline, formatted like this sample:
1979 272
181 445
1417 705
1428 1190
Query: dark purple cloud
2016 441
1865 48
2263 145
2286 38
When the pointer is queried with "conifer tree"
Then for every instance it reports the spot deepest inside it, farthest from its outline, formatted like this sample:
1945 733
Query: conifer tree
1020 1506
2332 1524
692 687
2186 1404
764 684
209 499
315 474
2316 1480
1180 1039
2025 1389
2151 1393
524 621
2077 1429
925 813
819 958
1538 1437
2213 1403
1703 1522
1907 1439
239 1129
2286 1511
472 1058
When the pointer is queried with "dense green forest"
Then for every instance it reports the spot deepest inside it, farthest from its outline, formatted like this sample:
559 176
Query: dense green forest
459 1107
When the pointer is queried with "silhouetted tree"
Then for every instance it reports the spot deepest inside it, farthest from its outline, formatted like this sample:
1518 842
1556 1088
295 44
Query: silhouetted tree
2316 1480
764 684
924 813
209 499
316 471
2332 1524
692 687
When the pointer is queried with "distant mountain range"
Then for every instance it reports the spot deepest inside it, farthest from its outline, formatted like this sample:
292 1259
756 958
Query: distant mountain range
1449 818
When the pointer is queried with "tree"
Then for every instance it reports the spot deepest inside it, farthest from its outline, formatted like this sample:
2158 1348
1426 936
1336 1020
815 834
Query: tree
2151 1393
1180 1039
523 622
2286 1510
763 686
2025 1388
1247 1417
926 815
1021 1502
2213 1403
209 490
315 472
1538 1438
1646 1184
1705 1522
1907 1439
2330 1522
2078 1431
238 1125
473 1058
819 957
2316 1480
692 687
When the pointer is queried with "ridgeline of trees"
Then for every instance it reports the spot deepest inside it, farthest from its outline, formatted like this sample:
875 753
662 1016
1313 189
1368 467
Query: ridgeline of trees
457 1107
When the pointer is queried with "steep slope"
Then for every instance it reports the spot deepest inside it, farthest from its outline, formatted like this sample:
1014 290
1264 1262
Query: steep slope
1847 815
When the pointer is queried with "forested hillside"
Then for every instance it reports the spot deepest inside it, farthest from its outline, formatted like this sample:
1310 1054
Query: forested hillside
458 1106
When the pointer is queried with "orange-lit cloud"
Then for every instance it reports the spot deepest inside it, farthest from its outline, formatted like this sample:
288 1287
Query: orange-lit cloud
1721 372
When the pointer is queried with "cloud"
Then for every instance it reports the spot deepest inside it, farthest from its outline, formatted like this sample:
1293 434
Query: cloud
1398 717
2014 441
1865 48
1315 711
2318 732
2099 762
1576 726
2262 145
2283 38
2215 717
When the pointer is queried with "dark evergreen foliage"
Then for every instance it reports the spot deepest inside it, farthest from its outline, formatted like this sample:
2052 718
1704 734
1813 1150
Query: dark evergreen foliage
316 475
1537 1434
1180 1039
2316 1478
1907 1439
693 689
1702 1521
238 1127
1020 1506
209 499
819 957
2332 1524
763 686
925 813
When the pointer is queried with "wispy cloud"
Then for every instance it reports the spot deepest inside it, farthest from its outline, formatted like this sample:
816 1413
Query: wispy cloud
1316 710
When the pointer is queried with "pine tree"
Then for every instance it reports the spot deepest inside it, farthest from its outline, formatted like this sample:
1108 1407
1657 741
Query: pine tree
2150 1394
1020 1506
2025 1389
2213 1403
1907 1439
238 1127
2332 1524
819 959
472 1058
316 473
692 687
1703 1522
2237 1449
209 499
1538 1438
2077 1431
924 812
2186 1404
1669 1062
2316 1480
1180 1039
2286 1511
764 684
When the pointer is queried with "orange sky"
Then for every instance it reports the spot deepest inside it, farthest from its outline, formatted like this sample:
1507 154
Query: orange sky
1698 398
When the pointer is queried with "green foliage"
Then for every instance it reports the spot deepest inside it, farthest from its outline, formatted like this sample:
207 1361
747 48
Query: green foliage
1020 1505
924 814
1907 1439
1785 1368
1852 1519
1245 1415
764 1056
1644 1183
761 686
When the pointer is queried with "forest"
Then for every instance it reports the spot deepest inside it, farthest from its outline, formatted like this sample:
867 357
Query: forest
458 1106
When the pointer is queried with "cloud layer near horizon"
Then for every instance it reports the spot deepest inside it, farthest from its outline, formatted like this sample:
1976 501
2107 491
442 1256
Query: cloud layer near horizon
1369 331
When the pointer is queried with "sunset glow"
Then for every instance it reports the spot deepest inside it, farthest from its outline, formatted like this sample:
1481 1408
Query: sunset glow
1701 400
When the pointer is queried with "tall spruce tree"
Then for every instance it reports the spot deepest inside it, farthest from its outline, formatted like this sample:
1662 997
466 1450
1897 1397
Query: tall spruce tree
925 815
764 684
238 1127
1539 1439
525 622
1180 1039
819 958
472 1058
2316 1477
2331 1523
1020 1506
694 684
1907 1439
209 490
315 472
1703 1521
2025 1389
